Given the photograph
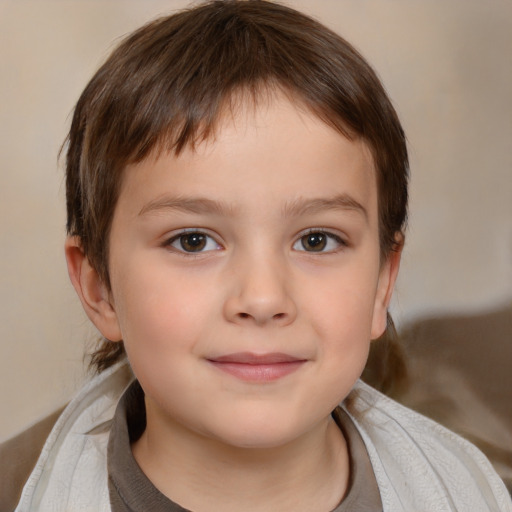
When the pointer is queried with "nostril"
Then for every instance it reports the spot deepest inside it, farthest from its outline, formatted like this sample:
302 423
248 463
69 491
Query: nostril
244 315
278 316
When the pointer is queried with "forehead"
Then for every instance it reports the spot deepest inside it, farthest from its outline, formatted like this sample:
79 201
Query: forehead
274 150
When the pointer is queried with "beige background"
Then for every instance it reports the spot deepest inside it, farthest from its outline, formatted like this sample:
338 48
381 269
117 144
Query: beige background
446 64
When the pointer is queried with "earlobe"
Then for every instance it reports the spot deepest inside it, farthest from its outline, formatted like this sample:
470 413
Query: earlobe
385 287
92 291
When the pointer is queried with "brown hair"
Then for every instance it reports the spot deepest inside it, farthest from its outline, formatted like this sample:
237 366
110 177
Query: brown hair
165 86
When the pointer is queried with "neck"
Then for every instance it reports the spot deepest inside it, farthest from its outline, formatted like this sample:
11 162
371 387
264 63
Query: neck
204 474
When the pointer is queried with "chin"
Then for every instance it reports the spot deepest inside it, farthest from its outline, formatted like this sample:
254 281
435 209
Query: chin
258 441
255 435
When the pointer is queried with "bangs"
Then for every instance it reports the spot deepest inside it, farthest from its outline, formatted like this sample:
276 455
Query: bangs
172 81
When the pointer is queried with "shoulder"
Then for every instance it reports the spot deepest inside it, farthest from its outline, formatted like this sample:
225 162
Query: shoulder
18 456
73 462
419 464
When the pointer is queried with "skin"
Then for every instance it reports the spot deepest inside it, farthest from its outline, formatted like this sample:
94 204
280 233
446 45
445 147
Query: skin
276 181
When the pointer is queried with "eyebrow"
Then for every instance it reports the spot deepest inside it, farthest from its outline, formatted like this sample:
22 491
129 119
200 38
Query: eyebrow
297 207
198 205
339 202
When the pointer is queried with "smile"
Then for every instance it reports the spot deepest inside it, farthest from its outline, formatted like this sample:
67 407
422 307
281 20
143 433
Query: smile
257 368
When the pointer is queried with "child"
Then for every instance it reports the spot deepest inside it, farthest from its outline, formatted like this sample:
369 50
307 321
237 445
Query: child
237 196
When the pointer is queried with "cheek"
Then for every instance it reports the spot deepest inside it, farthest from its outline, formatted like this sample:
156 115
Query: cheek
341 316
160 311
343 307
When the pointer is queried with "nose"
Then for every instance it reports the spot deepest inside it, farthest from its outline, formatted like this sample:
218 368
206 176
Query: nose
260 294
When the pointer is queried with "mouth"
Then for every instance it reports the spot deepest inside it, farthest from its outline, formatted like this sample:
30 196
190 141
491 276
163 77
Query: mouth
257 367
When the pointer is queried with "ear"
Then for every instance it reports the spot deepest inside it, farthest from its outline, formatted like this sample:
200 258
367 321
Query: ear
387 278
92 291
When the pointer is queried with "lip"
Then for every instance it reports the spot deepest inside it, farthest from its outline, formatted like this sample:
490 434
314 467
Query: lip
251 367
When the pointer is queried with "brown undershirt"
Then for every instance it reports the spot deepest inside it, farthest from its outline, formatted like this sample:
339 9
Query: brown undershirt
131 491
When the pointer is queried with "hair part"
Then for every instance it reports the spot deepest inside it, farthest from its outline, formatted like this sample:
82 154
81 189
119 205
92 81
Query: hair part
166 86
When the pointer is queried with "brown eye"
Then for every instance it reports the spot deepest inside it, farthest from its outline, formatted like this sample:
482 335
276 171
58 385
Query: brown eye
192 242
188 242
314 242
320 242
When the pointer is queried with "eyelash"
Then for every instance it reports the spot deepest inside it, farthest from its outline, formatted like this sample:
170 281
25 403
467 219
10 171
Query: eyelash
180 238
323 237
329 238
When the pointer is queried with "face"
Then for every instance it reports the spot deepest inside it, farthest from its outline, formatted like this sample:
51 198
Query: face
246 280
